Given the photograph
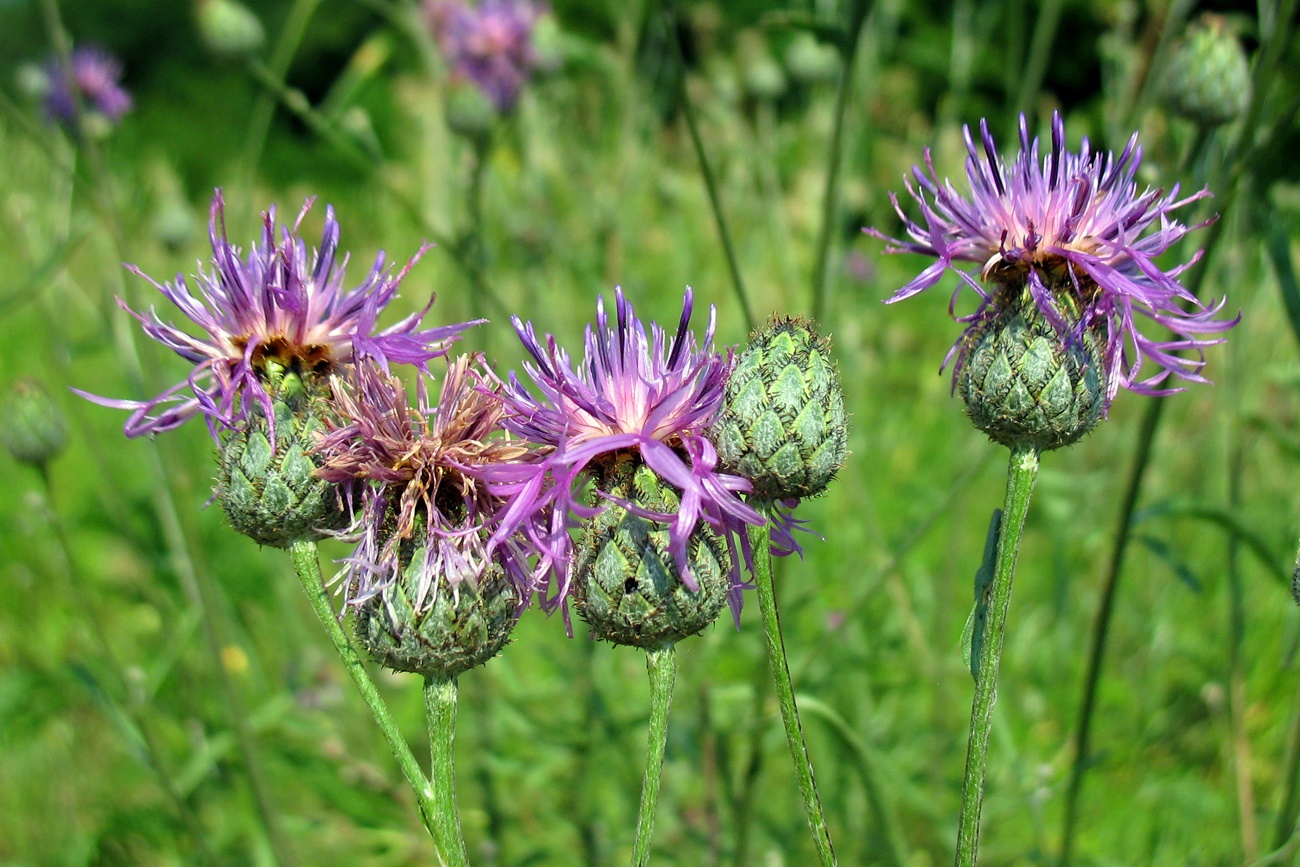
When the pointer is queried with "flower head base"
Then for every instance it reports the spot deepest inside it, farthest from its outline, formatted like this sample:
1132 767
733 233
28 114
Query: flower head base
1208 80
490 45
432 597
281 309
1073 232
32 426
268 485
88 82
782 424
634 401
629 591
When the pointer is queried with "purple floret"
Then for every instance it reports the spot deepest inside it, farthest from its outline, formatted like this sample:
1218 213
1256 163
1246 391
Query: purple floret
423 468
90 79
1070 220
653 397
280 305
490 44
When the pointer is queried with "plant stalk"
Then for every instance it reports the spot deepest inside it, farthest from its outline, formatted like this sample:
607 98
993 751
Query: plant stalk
440 710
661 666
710 182
760 541
1022 472
307 566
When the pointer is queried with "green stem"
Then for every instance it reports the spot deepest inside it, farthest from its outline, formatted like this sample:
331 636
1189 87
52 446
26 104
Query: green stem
295 25
710 182
307 565
440 710
1141 459
661 666
760 542
1040 49
831 196
1022 472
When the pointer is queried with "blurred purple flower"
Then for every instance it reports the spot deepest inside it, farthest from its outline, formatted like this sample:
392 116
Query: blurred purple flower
490 44
89 80
281 305
1075 229
631 396
422 468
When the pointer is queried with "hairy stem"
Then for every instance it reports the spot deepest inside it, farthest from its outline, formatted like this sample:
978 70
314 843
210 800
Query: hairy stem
661 666
307 566
440 710
1022 472
760 541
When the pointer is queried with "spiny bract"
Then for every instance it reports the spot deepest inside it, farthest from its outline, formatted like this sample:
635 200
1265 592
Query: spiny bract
453 630
1024 385
627 586
269 489
782 422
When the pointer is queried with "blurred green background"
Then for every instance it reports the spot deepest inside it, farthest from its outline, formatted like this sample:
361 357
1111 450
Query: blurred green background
593 183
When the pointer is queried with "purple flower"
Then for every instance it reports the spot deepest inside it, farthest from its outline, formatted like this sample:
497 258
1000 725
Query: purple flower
490 45
422 472
1074 229
279 308
89 80
649 398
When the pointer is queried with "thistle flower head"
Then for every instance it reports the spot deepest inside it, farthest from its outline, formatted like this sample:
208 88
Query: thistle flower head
89 80
633 397
424 466
490 44
280 309
1069 238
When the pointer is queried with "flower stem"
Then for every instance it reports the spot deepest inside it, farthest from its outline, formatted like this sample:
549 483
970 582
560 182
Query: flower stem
760 541
661 666
710 182
307 566
259 125
831 196
1022 472
440 710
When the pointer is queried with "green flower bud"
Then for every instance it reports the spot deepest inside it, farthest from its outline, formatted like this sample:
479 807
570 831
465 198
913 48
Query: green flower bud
764 79
782 423
450 630
810 61
626 583
229 29
33 427
1024 384
469 112
1208 80
270 492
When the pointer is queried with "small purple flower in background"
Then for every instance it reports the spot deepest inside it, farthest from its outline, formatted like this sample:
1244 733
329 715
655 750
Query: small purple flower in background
281 308
425 470
490 44
632 398
91 79
1075 231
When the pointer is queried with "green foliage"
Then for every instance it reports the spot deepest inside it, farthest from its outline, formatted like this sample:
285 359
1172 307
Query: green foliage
590 185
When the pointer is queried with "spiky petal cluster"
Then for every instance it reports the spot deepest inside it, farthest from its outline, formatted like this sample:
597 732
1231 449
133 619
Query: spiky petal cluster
490 44
89 80
281 305
1074 229
420 472
649 397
